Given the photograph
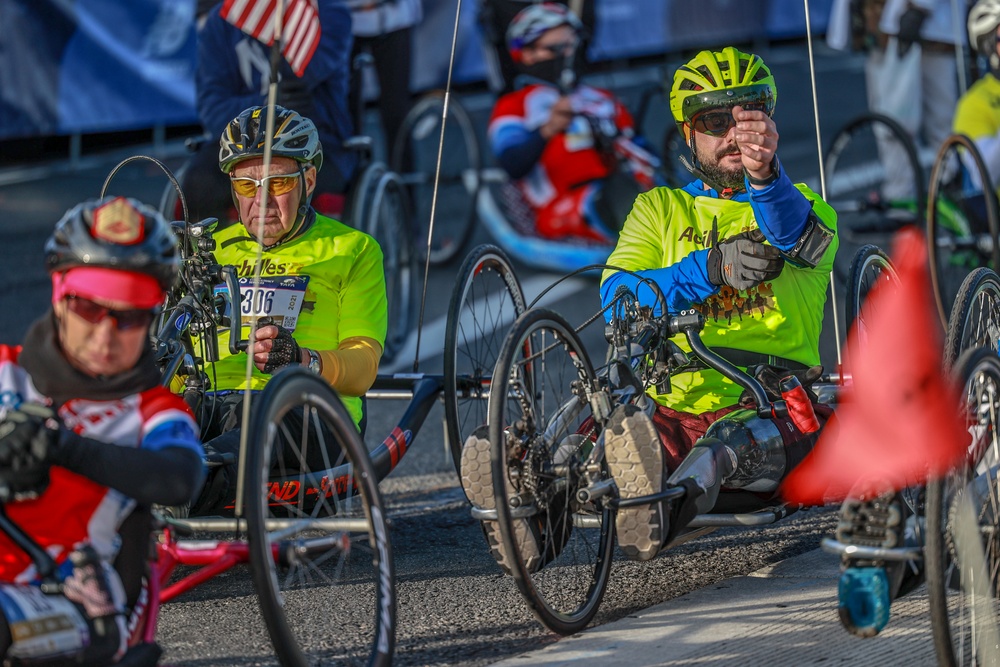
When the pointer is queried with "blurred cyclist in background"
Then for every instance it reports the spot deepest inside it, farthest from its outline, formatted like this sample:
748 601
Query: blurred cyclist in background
89 440
233 74
568 146
977 115
496 15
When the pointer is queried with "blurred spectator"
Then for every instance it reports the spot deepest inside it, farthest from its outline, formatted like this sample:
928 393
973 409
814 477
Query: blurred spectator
233 74
569 147
496 15
887 30
383 28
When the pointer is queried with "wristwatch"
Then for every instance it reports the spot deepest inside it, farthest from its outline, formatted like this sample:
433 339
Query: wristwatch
315 363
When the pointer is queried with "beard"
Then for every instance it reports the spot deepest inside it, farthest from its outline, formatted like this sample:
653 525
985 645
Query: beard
721 177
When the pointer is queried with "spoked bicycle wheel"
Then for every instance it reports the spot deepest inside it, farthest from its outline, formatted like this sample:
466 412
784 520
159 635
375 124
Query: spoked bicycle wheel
486 301
414 158
975 315
544 451
319 541
963 529
387 216
962 226
868 196
869 267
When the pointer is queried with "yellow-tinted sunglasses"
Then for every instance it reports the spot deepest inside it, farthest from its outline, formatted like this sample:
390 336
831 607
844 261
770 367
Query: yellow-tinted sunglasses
279 184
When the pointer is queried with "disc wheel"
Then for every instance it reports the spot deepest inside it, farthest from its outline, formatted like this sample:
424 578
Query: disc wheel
414 158
485 302
543 439
962 225
870 267
317 528
975 317
963 535
868 197
386 221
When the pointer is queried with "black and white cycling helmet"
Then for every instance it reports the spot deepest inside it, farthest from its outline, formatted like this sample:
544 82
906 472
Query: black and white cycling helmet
116 233
531 22
295 137
984 17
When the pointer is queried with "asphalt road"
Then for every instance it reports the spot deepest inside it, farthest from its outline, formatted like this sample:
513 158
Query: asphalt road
455 606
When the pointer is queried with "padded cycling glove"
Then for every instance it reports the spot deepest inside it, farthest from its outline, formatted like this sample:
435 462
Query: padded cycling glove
28 438
743 261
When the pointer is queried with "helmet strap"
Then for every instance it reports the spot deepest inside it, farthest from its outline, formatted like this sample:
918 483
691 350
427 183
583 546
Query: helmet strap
697 172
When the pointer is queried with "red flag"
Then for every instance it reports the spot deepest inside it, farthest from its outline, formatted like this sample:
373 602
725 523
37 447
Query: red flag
300 29
899 420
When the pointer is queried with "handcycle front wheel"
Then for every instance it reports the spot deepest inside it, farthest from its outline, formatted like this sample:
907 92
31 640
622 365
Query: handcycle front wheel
870 267
317 528
963 526
558 543
414 158
485 302
975 315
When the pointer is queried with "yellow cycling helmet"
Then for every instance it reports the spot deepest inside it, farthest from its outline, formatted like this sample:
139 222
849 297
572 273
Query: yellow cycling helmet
723 78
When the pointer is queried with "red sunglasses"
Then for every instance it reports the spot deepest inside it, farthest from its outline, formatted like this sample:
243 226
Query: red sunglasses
95 313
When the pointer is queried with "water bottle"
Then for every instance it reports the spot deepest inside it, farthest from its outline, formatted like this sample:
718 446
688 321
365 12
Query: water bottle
800 408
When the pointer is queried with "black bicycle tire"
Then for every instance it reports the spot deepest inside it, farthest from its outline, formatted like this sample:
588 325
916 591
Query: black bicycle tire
459 116
843 137
866 256
485 257
979 281
555 620
936 553
400 266
958 140
287 389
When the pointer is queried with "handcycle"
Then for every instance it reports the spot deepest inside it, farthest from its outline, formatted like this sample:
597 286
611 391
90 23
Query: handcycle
547 409
318 503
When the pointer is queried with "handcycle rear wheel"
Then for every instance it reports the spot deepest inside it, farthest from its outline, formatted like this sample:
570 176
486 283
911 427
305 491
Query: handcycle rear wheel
414 158
544 451
957 240
867 196
486 300
975 315
963 560
870 267
317 528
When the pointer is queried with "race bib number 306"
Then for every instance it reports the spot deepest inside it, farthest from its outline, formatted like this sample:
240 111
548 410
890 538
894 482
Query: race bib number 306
279 298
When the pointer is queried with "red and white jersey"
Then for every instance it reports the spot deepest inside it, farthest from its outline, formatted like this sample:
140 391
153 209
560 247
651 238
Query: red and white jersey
73 509
569 159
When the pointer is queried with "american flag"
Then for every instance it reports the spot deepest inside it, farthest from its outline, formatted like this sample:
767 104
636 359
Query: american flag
300 29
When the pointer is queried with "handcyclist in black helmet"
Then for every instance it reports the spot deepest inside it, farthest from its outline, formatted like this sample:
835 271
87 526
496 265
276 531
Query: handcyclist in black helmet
322 283
89 440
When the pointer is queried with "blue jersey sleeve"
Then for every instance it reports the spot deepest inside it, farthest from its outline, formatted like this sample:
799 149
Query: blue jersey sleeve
683 284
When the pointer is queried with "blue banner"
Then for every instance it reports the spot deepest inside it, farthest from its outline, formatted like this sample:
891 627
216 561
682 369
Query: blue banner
83 66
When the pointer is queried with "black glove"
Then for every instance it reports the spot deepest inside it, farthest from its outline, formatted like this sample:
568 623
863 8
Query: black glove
29 437
294 94
284 349
743 261
910 23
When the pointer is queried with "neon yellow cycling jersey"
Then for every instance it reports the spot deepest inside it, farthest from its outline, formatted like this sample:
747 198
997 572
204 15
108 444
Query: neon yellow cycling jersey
325 285
977 114
665 225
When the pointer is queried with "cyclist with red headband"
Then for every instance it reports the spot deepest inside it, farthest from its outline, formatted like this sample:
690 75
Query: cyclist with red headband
753 253
89 441
322 284
561 142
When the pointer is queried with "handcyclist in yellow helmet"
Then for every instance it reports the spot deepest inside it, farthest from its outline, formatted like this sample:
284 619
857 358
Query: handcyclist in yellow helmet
752 252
